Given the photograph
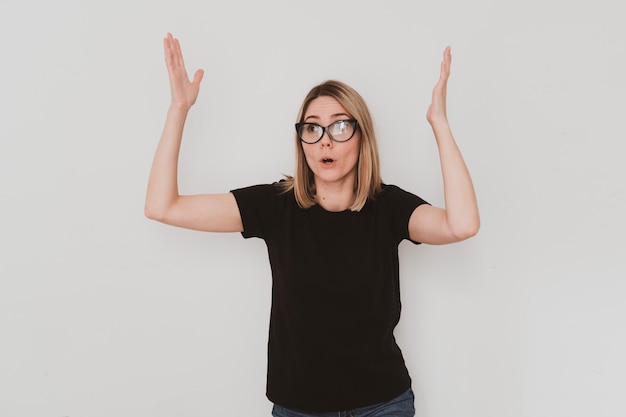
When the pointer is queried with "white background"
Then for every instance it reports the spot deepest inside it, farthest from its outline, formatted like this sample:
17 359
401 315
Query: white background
105 313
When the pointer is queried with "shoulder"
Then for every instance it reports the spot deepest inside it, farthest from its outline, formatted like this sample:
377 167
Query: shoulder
262 207
273 189
398 202
391 188
263 194
390 192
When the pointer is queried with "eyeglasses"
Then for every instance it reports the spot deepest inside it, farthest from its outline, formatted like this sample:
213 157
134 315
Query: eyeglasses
339 131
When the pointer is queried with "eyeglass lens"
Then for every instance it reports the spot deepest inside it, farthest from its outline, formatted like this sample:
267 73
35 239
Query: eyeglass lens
340 131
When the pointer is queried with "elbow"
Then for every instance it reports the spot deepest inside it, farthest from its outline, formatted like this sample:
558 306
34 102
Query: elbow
472 230
467 231
158 209
149 213
152 213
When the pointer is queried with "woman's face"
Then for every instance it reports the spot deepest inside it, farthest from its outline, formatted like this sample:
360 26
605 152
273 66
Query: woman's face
332 163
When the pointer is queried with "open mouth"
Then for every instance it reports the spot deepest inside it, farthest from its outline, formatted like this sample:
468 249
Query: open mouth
328 161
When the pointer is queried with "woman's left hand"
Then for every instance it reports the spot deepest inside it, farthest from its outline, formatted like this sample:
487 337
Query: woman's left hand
459 219
437 110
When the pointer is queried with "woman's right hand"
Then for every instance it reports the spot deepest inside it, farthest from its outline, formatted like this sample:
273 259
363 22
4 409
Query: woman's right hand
184 92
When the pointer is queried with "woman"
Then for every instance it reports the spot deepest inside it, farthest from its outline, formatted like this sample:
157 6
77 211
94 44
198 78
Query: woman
332 232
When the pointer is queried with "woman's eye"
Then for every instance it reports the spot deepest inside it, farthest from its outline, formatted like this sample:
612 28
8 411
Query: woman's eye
338 127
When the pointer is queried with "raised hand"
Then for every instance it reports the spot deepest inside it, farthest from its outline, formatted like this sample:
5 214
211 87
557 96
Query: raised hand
184 92
437 110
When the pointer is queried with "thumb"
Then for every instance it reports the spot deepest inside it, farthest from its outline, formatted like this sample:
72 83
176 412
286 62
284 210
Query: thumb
197 77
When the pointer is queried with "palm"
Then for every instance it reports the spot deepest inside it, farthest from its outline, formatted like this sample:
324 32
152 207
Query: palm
184 92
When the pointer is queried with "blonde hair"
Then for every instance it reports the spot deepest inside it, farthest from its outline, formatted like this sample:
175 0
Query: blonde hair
368 180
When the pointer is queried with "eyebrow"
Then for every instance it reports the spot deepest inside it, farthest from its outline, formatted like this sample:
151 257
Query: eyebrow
332 116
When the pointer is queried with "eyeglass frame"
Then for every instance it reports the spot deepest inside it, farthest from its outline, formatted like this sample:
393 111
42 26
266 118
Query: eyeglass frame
325 130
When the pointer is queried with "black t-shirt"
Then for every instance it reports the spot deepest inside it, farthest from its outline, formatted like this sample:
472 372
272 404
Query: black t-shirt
335 297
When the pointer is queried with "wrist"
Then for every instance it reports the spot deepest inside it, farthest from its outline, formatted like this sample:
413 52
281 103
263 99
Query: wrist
439 125
179 108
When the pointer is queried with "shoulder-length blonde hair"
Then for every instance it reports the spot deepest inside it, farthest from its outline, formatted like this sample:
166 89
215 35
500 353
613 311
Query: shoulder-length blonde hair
368 180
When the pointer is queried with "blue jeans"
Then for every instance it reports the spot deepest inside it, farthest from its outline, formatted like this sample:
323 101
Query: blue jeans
401 406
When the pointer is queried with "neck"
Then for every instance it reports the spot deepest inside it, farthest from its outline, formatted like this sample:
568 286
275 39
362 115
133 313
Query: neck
334 197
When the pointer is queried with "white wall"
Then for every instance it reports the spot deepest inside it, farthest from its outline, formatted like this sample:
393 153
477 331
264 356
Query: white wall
103 312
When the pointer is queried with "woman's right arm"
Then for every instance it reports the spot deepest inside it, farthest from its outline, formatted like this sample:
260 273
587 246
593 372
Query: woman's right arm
206 212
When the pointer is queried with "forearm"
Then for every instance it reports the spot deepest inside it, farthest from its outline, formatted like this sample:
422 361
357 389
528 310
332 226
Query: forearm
162 190
460 199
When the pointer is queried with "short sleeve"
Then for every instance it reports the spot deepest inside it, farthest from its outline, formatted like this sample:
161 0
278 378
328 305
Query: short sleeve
257 207
399 206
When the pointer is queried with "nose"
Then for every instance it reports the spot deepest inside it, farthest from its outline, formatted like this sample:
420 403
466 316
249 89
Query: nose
326 140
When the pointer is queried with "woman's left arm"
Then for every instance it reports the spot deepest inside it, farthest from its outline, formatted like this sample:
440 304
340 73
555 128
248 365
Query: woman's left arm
459 219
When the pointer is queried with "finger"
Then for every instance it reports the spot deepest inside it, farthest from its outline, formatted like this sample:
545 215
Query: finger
445 64
170 41
169 56
197 77
171 60
166 47
178 55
